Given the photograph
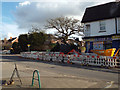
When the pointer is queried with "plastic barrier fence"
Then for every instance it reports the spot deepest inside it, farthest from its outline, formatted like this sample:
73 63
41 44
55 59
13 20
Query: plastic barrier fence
80 59
103 61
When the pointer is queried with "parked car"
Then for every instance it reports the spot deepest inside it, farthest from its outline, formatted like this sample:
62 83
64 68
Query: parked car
6 52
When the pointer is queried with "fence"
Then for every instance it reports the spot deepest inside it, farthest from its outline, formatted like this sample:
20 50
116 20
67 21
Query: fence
103 61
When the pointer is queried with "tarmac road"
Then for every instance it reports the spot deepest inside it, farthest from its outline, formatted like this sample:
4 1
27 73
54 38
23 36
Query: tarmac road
105 78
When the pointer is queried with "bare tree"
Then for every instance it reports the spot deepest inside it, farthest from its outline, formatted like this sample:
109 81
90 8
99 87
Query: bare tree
36 29
65 27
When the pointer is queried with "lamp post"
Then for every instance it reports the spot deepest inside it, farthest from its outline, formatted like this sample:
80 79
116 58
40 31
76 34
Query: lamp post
28 47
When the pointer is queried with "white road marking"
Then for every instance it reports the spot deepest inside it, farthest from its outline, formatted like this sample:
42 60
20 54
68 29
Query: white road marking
108 86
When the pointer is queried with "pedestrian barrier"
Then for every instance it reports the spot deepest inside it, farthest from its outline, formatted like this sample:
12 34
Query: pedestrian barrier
96 61
72 59
35 78
88 59
113 61
77 59
40 55
43 55
54 57
81 59
51 56
60 58
35 56
28 55
65 58
47 56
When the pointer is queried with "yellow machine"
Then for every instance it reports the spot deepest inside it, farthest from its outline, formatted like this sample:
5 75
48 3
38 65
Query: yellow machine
118 52
107 52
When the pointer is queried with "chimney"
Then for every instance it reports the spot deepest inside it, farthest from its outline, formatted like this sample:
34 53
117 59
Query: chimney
5 39
10 37
117 0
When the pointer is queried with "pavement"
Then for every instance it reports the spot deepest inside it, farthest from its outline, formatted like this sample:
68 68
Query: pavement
52 75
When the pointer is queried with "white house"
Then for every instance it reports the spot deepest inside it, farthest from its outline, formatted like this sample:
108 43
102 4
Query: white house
102 26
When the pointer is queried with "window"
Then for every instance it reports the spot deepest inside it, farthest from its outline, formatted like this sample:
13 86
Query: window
107 44
87 30
102 26
87 27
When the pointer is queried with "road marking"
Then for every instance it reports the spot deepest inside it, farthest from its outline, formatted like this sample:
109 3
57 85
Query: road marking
69 76
73 76
64 75
108 86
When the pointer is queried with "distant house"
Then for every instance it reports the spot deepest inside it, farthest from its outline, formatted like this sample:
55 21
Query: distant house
7 44
102 26
12 40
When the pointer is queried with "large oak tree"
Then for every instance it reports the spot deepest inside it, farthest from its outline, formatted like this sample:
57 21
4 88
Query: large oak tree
65 27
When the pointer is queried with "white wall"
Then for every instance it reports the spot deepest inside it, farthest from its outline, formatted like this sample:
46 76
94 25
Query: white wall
118 25
95 28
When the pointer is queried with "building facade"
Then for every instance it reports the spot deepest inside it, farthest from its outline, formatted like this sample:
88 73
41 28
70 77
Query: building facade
102 26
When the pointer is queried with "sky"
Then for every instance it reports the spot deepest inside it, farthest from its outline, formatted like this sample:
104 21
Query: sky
19 15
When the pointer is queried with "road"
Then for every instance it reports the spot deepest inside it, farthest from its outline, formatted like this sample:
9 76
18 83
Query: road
102 76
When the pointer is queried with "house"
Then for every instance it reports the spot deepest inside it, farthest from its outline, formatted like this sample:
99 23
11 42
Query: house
102 26
7 44
12 40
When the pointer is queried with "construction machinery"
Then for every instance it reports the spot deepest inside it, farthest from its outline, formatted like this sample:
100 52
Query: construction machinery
107 52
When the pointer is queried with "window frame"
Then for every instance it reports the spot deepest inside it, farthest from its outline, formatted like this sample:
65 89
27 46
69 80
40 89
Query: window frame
87 25
102 26
118 25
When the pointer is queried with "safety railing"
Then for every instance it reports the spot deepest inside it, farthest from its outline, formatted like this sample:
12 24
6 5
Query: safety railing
94 60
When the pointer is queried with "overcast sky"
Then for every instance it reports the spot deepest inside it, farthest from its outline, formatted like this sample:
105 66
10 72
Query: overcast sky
18 17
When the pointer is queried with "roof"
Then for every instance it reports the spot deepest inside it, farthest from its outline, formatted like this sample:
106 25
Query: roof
10 40
101 12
